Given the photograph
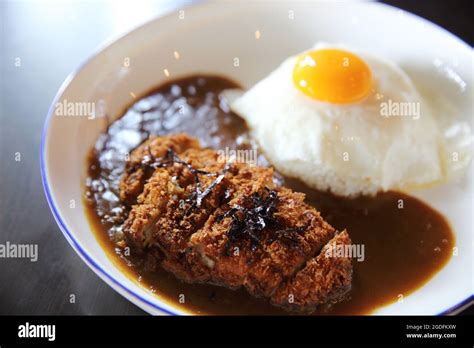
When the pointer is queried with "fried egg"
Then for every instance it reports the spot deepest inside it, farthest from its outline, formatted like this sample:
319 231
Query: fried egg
349 122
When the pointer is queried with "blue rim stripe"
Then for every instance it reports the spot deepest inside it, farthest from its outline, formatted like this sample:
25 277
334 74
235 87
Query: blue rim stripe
70 237
458 306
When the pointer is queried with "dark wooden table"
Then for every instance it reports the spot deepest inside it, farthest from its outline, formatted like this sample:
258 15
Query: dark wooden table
41 43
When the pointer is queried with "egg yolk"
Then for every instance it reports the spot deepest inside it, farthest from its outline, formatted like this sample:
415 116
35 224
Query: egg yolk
332 75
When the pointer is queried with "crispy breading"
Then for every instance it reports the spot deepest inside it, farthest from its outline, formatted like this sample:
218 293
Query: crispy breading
229 224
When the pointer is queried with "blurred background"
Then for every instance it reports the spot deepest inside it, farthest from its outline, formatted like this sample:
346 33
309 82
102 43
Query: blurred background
41 42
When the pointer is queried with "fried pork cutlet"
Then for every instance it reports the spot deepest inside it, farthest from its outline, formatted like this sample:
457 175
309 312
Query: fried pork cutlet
226 223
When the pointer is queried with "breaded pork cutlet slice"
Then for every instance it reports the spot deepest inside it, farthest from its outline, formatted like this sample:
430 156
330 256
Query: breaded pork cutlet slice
143 163
325 279
229 224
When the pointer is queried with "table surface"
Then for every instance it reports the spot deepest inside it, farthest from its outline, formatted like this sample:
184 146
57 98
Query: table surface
50 39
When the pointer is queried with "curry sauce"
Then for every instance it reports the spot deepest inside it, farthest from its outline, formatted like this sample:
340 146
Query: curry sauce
401 241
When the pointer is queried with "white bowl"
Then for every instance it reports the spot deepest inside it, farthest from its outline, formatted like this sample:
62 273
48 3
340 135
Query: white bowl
208 39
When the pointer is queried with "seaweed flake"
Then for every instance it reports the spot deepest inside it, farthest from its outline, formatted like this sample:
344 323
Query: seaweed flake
255 215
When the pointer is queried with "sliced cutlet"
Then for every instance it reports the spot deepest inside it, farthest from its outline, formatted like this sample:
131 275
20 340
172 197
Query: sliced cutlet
229 224
261 238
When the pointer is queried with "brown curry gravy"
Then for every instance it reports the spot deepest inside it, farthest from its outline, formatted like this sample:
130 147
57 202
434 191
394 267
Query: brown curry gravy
405 241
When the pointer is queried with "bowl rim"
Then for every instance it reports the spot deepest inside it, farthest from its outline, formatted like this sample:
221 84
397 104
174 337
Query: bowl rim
73 241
